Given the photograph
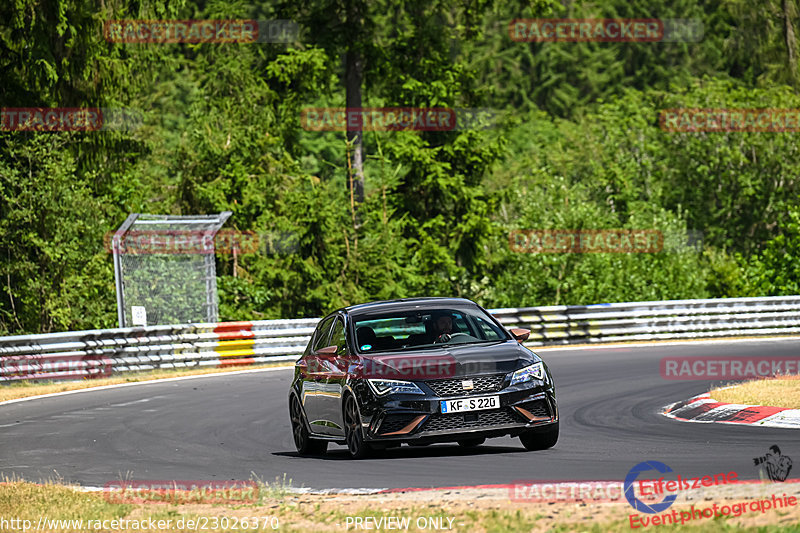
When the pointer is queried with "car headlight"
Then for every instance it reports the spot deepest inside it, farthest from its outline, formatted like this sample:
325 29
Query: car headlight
382 387
530 372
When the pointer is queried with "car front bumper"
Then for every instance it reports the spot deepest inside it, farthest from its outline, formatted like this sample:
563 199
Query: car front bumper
418 418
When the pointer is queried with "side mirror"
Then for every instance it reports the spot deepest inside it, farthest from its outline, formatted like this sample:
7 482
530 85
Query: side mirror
328 350
521 334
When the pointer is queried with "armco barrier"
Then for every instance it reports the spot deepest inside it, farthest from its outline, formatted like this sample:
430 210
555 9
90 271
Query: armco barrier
97 353
671 319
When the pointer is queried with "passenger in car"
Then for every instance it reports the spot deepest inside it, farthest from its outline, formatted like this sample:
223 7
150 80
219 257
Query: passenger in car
366 337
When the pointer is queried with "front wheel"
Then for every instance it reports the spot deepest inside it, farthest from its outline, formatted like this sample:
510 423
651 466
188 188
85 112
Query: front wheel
302 441
540 440
353 432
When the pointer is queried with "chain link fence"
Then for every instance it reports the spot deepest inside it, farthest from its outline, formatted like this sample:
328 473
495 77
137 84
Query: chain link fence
164 269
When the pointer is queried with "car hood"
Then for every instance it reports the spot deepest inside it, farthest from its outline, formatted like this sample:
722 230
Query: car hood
448 361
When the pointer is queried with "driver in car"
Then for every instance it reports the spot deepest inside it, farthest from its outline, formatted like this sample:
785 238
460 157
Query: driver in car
444 328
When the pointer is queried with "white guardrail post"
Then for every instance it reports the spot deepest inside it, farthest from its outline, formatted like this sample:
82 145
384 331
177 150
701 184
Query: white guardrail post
99 353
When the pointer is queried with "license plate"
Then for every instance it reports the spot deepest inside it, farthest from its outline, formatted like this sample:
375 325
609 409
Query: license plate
470 404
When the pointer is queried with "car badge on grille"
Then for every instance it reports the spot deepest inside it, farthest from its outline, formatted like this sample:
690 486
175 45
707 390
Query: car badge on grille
467 384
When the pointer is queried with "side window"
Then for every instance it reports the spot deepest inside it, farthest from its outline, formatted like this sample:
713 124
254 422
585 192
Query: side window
460 325
488 331
338 337
321 340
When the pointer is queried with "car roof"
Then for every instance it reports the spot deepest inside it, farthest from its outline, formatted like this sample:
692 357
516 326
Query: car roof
408 304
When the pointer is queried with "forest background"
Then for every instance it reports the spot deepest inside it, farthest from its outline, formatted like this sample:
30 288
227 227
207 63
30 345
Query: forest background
577 145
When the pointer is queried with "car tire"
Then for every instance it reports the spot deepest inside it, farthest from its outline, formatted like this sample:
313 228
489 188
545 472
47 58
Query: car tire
471 443
302 440
353 431
540 440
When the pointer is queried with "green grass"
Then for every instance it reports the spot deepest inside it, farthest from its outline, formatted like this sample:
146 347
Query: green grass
28 501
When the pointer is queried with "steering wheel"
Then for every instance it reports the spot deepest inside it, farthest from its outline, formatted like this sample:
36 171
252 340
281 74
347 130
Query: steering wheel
444 337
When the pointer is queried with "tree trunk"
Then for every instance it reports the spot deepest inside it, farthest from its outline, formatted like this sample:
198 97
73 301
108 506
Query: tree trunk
788 35
354 74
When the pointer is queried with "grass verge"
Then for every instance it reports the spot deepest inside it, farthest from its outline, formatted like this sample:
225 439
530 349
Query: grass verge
783 391
24 389
277 509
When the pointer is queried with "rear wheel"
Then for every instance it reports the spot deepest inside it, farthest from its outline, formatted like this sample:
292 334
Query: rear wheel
302 441
353 432
540 440
471 443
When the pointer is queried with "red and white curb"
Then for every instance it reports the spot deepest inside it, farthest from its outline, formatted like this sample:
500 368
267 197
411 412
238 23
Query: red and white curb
702 408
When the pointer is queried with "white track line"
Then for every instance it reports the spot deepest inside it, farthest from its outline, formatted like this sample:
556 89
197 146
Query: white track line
599 346
148 382
534 348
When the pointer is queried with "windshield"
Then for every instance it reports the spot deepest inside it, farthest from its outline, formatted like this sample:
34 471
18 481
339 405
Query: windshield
418 329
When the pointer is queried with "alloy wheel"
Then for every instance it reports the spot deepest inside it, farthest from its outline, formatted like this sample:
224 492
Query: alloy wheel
354 434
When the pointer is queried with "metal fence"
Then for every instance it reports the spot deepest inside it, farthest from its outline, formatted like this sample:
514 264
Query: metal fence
97 353
164 268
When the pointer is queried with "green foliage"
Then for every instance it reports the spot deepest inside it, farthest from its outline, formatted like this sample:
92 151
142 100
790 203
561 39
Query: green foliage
578 147
55 272
776 270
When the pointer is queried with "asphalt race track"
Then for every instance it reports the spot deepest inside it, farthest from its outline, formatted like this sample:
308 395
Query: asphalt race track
232 427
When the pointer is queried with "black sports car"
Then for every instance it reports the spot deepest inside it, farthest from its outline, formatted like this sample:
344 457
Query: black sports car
419 371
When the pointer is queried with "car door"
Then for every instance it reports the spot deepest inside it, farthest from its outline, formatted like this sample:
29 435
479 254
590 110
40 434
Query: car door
330 394
313 374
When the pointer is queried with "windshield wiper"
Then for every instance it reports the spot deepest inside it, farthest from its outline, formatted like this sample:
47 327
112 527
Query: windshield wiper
468 343
444 344
421 346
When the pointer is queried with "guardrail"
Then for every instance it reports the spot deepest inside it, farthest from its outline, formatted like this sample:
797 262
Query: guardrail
670 319
98 353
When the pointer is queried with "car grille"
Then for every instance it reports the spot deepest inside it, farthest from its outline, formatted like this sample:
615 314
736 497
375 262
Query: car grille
537 408
453 387
394 423
497 417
